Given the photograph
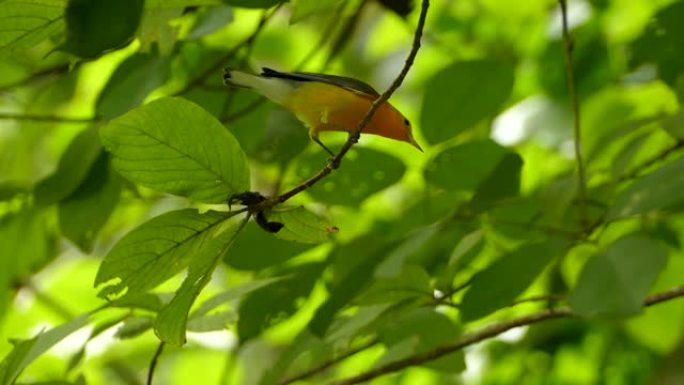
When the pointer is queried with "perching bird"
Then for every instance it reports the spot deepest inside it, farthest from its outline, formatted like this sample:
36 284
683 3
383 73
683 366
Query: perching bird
326 102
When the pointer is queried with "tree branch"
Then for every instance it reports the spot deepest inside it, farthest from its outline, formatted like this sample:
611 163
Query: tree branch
354 136
486 333
572 90
48 118
153 363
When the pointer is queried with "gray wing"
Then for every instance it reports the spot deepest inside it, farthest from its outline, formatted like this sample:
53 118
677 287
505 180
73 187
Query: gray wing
340 81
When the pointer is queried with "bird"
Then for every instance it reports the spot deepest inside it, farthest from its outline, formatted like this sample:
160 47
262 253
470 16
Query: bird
326 102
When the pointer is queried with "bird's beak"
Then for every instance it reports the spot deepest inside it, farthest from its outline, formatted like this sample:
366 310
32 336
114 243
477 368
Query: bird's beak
415 144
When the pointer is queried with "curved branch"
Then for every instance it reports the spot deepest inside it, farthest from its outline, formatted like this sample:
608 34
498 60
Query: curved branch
486 333
354 137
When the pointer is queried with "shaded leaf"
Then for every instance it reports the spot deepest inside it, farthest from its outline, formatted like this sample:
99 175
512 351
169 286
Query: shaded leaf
256 249
210 19
501 282
463 94
133 327
83 213
502 183
277 301
95 27
465 166
661 189
253 3
412 282
132 81
421 330
303 9
22 33
232 294
174 146
616 282
73 167
364 172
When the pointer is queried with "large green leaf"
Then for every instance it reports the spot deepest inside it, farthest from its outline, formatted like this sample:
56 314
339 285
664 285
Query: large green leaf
26 351
160 248
616 282
464 166
73 167
128 86
303 9
418 331
174 146
463 94
661 189
363 172
501 282
83 213
502 183
172 318
20 33
95 27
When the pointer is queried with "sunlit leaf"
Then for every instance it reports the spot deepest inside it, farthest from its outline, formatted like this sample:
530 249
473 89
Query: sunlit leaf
22 33
302 225
616 282
463 94
303 9
252 3
501 282
174 146
158 249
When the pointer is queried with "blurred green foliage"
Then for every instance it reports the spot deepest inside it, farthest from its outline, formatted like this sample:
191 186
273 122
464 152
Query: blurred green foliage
120 149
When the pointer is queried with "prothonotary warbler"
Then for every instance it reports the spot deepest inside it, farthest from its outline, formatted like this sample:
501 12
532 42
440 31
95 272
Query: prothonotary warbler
326 102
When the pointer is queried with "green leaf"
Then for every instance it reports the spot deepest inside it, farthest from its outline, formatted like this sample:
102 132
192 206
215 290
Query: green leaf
661 43
474 161
253 3
26 247
661 189
301 225
271 250
463 94
302 9
22 33
502 183
368 254
26 351
174 146
231 294
283 138
616 282
172 318
413 282
73 167
133 327
210 19
501 282
213 322
277 301
132 81
418 331
365 172
159 249
95 27
83 213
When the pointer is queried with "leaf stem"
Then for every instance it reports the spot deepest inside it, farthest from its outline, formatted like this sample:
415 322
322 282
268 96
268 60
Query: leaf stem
153 362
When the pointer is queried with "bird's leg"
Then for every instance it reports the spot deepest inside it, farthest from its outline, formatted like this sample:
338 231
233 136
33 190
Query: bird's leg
315 139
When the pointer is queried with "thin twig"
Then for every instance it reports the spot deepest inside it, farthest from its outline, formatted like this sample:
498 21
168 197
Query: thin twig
354 136
486 333
228 55
572 90
325 365
636 171
47 72
153 363
48 118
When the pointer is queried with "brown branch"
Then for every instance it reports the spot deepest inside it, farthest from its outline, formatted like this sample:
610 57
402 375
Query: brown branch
153 363
572 90
228 55
48 118
354 136
486 333
325 365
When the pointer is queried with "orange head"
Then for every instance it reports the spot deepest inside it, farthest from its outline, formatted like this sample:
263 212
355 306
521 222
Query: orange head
390 123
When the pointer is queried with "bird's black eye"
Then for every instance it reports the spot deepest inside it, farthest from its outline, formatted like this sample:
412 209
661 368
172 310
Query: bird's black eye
406 122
